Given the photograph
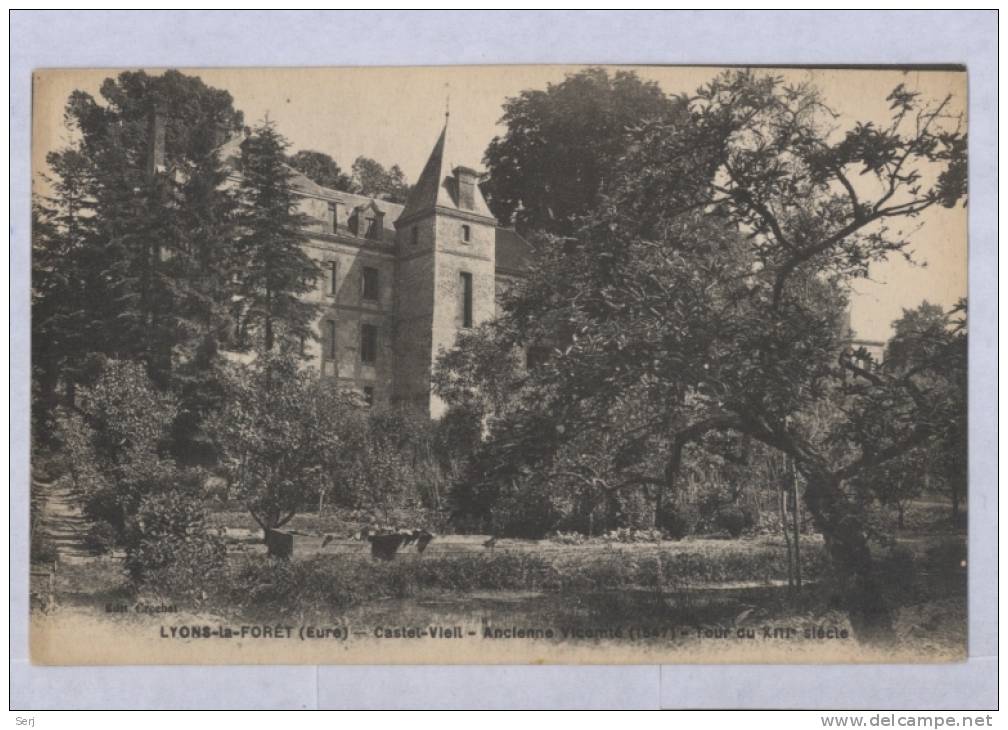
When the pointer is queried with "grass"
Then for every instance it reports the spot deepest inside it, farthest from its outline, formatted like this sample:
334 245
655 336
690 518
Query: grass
257 584
695 581
327 523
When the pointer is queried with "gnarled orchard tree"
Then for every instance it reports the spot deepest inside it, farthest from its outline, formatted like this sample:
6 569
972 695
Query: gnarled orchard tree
710 287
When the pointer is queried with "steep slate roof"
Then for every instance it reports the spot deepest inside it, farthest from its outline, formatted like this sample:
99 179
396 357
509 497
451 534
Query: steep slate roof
351 200
513 253
230 155
436 186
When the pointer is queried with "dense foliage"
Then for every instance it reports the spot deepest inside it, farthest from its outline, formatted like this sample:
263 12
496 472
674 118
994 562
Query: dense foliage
321 168
371 178
706 294
561 144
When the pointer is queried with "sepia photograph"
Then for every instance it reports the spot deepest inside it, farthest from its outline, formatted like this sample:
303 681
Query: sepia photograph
531 364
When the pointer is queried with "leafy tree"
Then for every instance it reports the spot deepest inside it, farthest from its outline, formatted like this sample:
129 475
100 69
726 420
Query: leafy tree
321 168
115 443
133 492
275 272
392 465
896 482
279 430
372 179
551 164
710 287
483 372
930 345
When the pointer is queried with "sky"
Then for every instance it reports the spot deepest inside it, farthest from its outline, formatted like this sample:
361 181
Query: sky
394 115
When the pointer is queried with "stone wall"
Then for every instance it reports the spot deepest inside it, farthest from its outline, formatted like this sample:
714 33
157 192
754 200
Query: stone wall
455 256
415 306
419 309
348 310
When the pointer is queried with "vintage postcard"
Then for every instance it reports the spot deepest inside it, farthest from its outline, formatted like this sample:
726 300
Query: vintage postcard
499 364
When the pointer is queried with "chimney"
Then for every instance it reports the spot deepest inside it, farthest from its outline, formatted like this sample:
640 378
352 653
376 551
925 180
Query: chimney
156 143
465 182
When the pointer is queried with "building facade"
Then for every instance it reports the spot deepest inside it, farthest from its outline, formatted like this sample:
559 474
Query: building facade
400 281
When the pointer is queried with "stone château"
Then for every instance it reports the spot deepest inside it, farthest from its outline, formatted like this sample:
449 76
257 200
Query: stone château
400 281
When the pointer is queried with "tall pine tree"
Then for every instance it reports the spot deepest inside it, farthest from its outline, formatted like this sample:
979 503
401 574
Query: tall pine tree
134 251
273 269
70 294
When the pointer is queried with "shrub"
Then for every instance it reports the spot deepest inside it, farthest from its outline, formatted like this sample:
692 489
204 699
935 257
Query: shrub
526 513
733 520
104 508
189 567
101 537
681 522
632 535
567 538
168 542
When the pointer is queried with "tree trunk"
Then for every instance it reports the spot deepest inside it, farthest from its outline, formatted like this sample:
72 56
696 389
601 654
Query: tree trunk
671 476
848 549
792 476
782 494
659 509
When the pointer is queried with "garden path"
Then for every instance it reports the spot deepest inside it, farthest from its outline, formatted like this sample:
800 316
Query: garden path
62 520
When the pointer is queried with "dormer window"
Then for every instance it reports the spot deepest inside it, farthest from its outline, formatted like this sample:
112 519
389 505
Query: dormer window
466 233
367 221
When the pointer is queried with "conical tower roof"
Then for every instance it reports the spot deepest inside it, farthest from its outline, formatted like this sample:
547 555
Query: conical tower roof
437 186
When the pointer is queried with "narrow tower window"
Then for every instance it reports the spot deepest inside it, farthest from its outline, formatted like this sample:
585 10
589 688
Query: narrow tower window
331 327
369 343
369 284
415 235
466 233
466 282
332 278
